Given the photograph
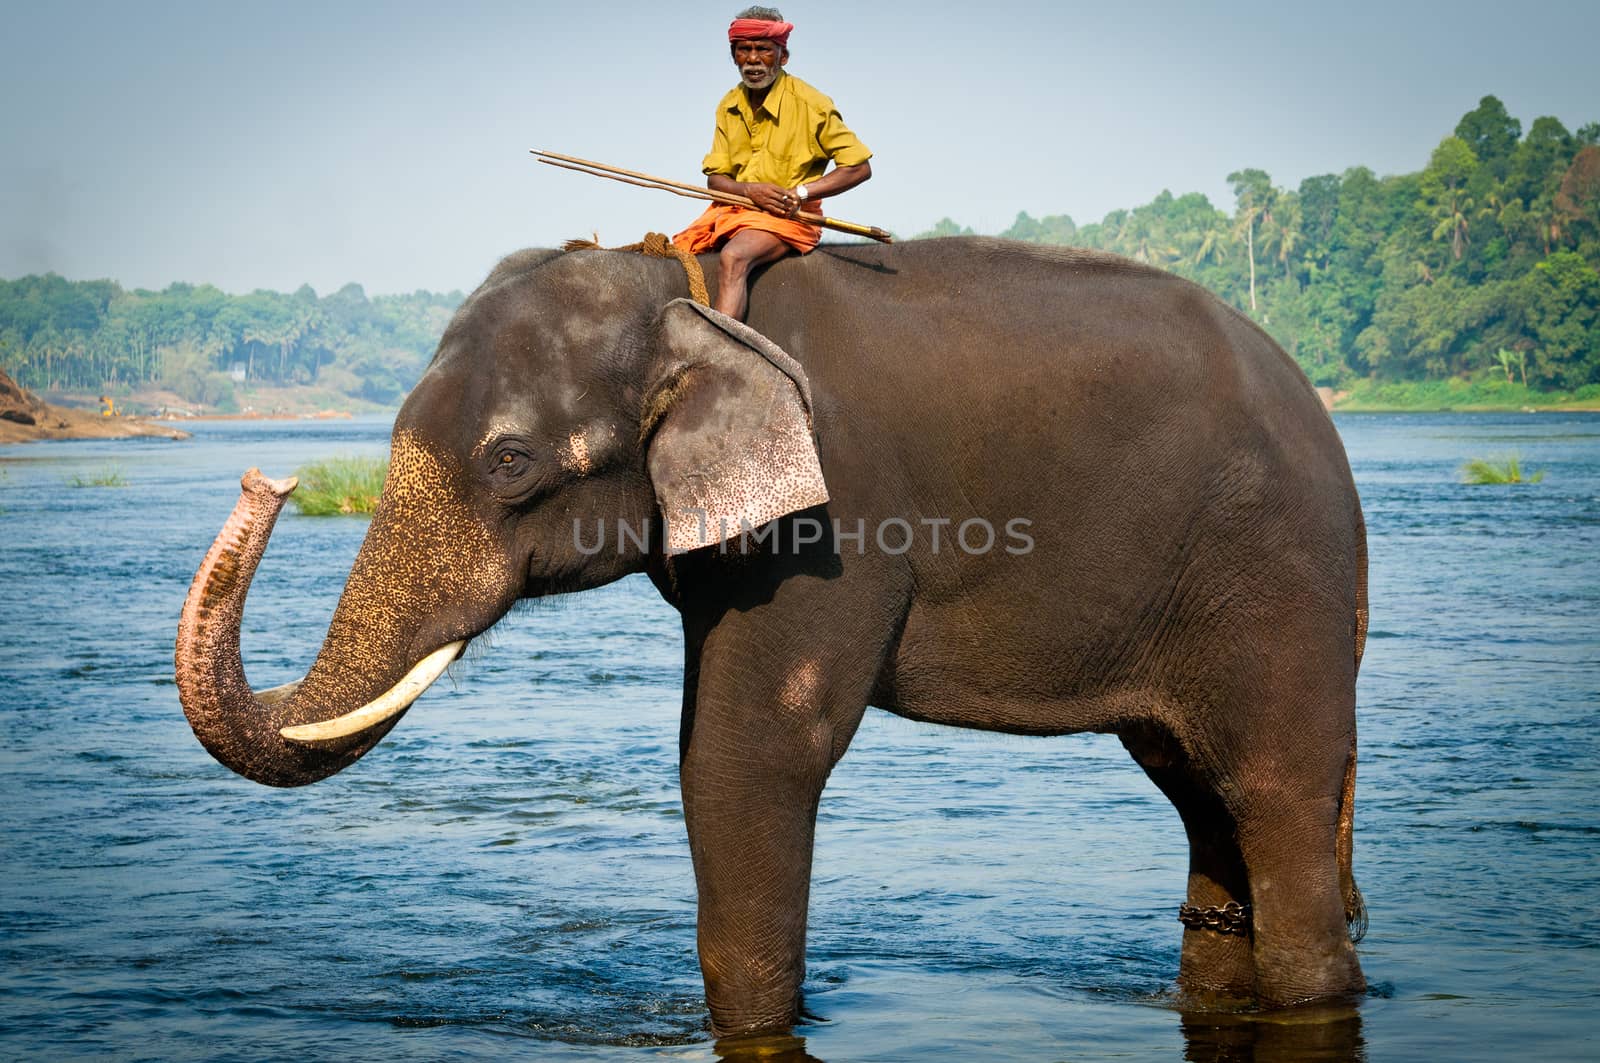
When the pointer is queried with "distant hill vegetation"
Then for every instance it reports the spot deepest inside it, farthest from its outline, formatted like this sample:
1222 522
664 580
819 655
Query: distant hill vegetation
1483 266
1483 263
207 346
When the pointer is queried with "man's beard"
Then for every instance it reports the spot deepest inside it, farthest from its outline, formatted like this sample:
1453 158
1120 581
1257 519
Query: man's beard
756 76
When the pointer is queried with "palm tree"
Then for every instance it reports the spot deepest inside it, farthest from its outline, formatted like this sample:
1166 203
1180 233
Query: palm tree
1443 186
1505 358
1452 214
1254 192
1280 232
1142 238
1244 228
1212 242
1547 220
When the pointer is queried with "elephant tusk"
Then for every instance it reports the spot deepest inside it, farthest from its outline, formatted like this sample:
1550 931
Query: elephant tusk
393 702
278 695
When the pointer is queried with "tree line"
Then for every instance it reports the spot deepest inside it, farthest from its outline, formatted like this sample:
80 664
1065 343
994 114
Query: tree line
1486 261
200 342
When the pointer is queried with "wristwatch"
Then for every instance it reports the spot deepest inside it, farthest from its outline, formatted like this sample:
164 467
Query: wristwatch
800 191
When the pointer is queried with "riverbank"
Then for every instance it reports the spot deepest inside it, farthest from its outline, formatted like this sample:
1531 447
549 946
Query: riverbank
253 401
1484 395
257 415
26 418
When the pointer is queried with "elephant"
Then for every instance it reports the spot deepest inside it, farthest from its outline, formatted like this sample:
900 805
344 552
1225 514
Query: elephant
973 482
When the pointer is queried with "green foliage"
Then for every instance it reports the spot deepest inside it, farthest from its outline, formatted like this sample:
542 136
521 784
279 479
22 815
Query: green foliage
1557 306
1053 229
1486 390
1508 359
943 227
1508 471
1490 133
109 476
203 344
187 370
1493 246
1445 197
340 486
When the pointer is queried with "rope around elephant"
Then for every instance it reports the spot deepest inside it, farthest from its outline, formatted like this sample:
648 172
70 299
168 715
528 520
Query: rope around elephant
657 245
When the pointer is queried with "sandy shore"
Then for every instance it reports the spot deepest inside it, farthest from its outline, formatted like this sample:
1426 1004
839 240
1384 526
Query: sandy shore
324 415
59 423
24 417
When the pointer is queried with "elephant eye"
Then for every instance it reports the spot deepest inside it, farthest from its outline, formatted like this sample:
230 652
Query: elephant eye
511 461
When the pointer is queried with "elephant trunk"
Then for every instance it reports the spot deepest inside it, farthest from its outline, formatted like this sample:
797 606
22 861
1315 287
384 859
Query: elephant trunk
282 736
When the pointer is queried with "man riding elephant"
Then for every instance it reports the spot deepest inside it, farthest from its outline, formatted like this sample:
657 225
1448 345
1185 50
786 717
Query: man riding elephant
1192 578
774 138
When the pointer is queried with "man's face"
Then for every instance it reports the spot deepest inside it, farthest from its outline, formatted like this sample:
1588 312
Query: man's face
759 62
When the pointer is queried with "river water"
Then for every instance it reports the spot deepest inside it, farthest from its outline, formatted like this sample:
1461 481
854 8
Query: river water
507 875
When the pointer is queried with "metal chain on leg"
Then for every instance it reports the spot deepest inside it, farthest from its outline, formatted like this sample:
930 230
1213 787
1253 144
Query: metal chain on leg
1230 918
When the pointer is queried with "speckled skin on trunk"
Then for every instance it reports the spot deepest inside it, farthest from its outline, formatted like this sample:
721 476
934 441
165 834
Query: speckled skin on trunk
1176 556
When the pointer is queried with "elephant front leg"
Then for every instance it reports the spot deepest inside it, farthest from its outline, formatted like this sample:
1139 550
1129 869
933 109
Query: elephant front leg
773 693
750 802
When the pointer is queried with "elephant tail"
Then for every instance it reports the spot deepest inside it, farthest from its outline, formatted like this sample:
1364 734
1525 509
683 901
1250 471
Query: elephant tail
1361 587
1355 906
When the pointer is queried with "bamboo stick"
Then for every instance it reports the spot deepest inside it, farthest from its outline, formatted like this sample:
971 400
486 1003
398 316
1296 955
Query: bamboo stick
592 165
698 193
615 173
644 180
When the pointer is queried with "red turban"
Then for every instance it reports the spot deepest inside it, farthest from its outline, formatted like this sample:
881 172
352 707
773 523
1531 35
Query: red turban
759 29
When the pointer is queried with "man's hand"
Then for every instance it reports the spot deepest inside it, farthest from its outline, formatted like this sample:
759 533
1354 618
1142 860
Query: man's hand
772 199
783 201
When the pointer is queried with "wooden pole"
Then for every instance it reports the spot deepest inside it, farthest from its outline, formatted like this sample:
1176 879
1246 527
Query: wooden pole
696 193
592 165
644 180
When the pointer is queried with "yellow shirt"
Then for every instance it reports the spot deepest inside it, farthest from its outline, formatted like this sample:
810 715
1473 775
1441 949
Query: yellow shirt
786 141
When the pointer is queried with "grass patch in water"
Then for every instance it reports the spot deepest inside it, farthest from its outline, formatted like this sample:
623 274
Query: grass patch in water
339 486
110 476
1508 471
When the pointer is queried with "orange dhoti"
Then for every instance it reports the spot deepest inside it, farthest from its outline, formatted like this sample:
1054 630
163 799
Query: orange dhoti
721 220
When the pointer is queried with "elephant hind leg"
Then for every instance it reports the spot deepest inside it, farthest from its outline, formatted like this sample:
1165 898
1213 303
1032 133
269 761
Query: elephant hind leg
1302 946
1216 967
1263 831
1285 787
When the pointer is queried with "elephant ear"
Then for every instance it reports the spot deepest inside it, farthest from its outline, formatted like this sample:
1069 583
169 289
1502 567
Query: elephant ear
728 424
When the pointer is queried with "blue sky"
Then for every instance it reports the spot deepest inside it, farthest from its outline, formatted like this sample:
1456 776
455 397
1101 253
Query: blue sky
269 145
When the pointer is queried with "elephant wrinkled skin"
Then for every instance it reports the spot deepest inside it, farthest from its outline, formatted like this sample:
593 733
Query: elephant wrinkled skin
1028 490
